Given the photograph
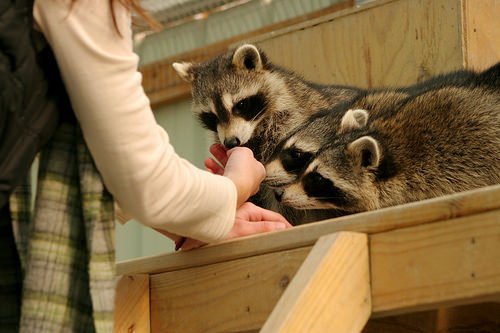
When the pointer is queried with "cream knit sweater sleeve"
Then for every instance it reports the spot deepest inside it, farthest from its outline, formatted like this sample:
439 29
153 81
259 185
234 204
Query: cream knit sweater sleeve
133 154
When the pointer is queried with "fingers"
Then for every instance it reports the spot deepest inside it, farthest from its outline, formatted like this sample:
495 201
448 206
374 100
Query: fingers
252 212
181 243
257 213
246 228
190 244
220 153
214 167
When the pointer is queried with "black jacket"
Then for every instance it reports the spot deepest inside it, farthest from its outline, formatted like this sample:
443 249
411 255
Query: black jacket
28 103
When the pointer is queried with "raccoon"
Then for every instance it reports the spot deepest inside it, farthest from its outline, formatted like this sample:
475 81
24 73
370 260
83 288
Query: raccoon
394 147
246 100
249 101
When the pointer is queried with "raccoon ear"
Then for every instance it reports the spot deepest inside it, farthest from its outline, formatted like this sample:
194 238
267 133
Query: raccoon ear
185 70
353 119
366 150
247 57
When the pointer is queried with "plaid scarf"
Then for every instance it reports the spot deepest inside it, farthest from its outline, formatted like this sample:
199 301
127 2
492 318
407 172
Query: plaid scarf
65 241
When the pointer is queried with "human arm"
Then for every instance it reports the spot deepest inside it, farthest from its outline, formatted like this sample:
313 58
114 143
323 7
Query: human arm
132 153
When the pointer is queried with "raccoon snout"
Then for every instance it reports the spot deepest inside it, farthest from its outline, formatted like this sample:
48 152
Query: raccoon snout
232 142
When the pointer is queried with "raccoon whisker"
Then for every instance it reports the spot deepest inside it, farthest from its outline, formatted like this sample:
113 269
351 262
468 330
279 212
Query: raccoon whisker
277 182
276 185
258 114
326 198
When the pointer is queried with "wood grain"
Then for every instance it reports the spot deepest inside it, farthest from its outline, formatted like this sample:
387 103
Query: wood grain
231 296
331 290
389 43
132 304
431 266
481 33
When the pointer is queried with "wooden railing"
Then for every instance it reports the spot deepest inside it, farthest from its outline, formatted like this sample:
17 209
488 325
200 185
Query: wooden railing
329 276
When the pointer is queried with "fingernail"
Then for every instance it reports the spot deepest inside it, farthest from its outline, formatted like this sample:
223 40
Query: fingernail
179 243
281 226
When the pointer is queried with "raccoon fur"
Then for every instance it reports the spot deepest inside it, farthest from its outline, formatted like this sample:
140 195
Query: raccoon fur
246 100
249 101
391 147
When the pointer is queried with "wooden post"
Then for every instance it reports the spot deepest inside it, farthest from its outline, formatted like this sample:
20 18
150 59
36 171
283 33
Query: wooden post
132 311
331 290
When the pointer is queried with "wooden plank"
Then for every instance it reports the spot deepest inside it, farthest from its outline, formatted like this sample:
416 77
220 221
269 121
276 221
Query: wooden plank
331 290
430 266
417 213
132 304
419 322
233 296
481 33
385 44
484 318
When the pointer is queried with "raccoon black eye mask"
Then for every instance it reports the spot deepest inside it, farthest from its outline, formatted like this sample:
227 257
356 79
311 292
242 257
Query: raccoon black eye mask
320 188
294 160
250 108
208 120
286 168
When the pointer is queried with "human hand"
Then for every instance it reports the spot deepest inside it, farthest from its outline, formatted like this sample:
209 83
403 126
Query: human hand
250 219
239 165
218 164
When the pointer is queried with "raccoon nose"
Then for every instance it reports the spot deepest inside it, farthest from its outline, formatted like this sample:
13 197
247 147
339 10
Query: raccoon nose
232 142
278 194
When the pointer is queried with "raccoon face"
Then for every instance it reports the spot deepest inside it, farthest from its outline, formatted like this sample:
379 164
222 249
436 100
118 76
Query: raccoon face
301 148
323 166
229 93
339 177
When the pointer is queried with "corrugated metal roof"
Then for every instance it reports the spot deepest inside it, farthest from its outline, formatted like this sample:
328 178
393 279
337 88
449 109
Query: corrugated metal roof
170 12
239 18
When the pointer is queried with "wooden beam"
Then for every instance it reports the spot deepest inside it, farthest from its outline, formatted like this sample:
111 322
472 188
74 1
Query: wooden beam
442 264
383 43
417 213
419 322
132 304
233 296
483 317
330 292
481 33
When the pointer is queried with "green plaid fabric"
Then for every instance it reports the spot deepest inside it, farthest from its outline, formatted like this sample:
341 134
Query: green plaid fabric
66 243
